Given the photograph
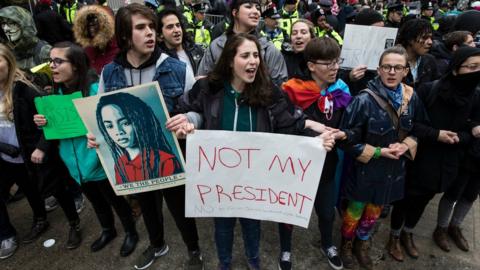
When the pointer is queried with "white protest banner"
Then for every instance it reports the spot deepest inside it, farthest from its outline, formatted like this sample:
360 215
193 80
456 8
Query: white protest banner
252 175
363 45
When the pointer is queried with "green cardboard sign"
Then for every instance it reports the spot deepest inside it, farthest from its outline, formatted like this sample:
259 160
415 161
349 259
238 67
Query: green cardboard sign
63 120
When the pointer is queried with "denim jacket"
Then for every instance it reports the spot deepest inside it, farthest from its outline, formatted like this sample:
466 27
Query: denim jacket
170 74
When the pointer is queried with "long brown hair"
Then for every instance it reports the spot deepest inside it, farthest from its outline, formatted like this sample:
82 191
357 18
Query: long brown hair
14 75
257 93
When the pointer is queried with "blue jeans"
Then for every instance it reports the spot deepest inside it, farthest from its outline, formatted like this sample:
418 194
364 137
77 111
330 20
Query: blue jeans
224 230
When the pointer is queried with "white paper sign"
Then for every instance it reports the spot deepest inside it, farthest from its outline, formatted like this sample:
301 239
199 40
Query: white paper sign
252 175
363 45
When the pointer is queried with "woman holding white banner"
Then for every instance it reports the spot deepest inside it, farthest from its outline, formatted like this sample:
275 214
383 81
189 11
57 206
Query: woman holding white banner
240 91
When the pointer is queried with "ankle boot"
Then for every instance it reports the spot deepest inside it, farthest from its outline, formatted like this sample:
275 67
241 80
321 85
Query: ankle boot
39 226
394 248
106 237
361 249
74 235
346 253
441 238
406 239
456 234
129 243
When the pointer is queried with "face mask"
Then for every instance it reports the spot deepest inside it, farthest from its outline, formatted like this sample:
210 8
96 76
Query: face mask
467 80
12 31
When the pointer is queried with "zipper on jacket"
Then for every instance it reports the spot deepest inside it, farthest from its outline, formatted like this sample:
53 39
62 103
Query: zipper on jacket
235 118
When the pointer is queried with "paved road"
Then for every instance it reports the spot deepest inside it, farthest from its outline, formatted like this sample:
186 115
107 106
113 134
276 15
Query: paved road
305 254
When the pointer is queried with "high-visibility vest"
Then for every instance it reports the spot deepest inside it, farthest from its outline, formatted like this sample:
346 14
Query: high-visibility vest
277 40
200 34
434 23
188 14
332 34
286 21
70 12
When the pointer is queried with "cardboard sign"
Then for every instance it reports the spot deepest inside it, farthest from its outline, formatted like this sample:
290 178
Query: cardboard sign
252 175
136 150
363 45
63 121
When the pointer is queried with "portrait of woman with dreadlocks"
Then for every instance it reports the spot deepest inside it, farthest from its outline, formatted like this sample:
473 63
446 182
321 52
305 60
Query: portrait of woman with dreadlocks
136 139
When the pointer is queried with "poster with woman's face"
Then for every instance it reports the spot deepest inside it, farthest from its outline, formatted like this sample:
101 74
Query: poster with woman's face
137 152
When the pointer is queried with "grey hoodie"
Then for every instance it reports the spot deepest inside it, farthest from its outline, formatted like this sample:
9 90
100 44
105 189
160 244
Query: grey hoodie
272 57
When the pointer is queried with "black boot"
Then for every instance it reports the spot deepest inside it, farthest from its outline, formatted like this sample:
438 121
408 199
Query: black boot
39 226
129 243
105 238
74 235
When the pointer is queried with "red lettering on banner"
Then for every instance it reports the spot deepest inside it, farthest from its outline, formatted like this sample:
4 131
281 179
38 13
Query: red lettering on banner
235 151
281 199
304 169
235 192
248 190
201 152
248 154
283 167
261 194
220 192
201 193
271 194
303 201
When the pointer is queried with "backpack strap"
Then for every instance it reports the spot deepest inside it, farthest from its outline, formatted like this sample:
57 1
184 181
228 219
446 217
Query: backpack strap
385 106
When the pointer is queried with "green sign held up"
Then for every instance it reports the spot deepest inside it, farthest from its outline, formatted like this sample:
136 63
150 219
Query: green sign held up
63 120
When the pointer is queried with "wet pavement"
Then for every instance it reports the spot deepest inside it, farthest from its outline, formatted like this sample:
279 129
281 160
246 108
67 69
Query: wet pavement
306 255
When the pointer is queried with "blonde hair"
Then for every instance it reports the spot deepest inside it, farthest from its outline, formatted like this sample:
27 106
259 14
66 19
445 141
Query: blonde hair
12 77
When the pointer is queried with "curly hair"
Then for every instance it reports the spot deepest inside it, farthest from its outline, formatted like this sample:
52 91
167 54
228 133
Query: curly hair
413 30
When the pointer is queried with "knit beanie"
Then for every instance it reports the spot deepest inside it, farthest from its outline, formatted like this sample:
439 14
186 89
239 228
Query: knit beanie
462 54
368 17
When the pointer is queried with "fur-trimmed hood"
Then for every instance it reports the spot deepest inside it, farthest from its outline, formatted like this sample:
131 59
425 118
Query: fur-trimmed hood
106 27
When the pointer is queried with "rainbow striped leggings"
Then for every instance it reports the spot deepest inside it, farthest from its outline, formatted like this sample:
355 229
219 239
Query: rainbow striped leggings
359 219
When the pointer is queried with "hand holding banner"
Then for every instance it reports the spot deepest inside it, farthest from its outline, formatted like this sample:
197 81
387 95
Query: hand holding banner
63 119
245 174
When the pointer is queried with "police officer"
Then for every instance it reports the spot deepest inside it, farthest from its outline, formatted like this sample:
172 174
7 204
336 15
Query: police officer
323 28
394 15
289 14
187 11
427 14
200 28
271 29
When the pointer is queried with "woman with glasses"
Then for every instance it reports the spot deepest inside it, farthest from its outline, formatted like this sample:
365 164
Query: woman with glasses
72 73
323 98
445 157
378 123
26 157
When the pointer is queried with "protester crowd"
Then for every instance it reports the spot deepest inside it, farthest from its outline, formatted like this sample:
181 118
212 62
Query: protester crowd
396 136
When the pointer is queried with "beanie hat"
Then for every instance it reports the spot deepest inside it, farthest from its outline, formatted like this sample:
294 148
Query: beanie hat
368 17
462 54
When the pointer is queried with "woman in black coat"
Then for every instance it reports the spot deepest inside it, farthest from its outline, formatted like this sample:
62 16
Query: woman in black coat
452 105
37 163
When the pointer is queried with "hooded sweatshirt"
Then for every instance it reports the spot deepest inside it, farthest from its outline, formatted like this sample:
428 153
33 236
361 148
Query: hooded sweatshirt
29 50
